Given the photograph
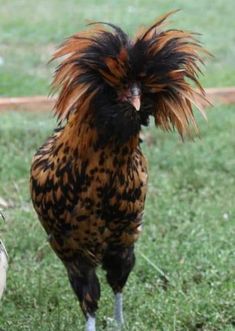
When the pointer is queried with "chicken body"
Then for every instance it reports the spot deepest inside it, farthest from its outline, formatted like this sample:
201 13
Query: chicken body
91 208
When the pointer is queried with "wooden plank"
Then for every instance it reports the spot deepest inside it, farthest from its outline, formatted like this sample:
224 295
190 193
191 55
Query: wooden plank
36 103
219 95
41 103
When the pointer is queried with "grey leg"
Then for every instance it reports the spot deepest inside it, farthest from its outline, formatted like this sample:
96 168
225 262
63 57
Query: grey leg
118 309
118 262
90 323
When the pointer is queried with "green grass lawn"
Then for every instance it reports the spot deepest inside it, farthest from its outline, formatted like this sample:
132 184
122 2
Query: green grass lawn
189 231
189 234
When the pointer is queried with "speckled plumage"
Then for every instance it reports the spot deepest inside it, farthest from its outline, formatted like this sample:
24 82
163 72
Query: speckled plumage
90 206
86 204
89 179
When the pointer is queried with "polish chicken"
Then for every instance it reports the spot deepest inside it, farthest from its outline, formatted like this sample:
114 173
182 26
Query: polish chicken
89 179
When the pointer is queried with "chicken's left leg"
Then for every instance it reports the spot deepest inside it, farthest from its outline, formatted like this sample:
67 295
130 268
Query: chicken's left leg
118 263
85 284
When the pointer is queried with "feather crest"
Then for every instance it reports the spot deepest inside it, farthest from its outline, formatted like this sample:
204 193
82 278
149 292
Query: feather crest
173 57
165 63
89 58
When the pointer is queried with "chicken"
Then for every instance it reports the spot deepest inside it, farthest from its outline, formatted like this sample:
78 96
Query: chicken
89 179
3 267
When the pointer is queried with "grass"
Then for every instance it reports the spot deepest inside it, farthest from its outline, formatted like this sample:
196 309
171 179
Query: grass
189 232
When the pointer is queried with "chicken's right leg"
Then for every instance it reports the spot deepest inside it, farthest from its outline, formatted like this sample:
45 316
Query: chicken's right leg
86 285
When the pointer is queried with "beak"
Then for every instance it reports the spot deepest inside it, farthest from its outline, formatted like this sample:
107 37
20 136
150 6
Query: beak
135 97
135 101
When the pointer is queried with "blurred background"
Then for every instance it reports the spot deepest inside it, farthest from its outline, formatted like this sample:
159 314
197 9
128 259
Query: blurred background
184 276
30 31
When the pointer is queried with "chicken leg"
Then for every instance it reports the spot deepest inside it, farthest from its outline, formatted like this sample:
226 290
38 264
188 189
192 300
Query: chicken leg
118 263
